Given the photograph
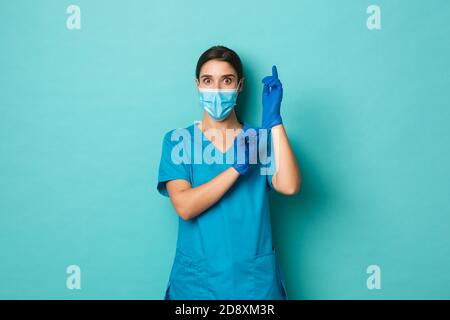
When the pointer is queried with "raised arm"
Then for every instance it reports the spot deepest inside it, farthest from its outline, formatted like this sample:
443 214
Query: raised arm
287 177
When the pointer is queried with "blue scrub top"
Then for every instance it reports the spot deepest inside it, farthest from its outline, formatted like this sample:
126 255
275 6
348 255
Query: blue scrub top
226 252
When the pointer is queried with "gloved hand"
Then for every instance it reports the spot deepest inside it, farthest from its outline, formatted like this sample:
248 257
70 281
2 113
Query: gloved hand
271 100
246 156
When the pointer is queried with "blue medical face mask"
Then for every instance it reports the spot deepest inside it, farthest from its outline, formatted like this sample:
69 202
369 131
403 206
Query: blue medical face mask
218 102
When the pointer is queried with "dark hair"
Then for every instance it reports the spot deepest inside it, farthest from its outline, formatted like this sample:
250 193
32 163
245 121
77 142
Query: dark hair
223 54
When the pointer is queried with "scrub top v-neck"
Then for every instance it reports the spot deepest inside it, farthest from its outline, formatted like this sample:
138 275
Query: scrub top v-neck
226 252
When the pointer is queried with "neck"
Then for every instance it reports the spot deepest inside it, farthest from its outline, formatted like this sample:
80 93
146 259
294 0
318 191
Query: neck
229 123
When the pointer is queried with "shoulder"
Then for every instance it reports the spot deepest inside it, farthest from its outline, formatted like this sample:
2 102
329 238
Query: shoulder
176 132
174 135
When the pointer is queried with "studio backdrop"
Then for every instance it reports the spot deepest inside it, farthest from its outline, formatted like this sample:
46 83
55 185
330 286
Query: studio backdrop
89 88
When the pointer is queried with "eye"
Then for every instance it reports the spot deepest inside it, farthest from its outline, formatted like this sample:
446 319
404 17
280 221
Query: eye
228 81
207 81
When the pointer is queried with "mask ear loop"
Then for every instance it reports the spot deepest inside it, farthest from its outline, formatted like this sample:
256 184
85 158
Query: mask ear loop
237 91
238 87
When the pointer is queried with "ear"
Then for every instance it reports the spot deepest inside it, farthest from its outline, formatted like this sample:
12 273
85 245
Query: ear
197 84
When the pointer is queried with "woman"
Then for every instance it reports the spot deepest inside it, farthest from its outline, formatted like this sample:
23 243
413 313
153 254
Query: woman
224 248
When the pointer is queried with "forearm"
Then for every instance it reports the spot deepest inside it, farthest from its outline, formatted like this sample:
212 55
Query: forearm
287 178
193 201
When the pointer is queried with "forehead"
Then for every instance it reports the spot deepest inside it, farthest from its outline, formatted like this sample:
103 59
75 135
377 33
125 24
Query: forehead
217 68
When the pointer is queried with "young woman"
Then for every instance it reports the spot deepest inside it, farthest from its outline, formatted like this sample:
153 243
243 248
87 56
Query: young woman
224 247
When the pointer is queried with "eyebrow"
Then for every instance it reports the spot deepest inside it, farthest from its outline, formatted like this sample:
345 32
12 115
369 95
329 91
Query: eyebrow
224 76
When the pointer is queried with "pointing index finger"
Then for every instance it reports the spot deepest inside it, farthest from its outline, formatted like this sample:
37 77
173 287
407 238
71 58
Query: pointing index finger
274 72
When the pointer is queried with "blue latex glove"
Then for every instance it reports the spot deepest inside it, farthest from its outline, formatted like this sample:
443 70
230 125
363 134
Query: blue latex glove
242 160
271 100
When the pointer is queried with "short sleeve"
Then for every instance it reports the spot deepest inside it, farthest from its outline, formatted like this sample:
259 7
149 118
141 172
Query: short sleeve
171 165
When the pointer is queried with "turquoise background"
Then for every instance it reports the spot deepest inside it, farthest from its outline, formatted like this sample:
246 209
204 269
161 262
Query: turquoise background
83 113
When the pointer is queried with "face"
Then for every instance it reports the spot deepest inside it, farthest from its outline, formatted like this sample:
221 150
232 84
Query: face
216 74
